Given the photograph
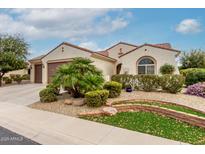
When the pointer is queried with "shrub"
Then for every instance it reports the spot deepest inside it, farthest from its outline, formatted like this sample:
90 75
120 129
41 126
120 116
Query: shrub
197 89
12 76
18 78
47 95
168 82
184 72
172 83
124 79
167 69
114 88
26 77
148 82
195 77
96 98
7 80
54 87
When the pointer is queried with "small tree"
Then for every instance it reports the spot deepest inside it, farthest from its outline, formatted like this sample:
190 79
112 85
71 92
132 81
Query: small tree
79 77
13 52
167 69
193 59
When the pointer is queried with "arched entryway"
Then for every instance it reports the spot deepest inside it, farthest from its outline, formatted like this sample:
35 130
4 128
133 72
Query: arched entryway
118 68
146 65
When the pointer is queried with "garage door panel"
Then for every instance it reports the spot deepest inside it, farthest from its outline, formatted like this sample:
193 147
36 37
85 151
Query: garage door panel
52 68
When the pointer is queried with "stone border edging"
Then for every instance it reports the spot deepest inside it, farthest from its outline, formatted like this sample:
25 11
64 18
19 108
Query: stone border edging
157 101
193 120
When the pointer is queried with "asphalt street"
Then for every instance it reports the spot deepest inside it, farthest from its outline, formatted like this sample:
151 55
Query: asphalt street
8 137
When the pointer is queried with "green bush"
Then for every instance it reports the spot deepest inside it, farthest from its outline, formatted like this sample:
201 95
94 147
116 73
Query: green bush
18 78
167 69
26 77
114 88
7 80
184 72
148 82
172 83
47 95
12 76
124 79
55 87
194 77
168 82
96 98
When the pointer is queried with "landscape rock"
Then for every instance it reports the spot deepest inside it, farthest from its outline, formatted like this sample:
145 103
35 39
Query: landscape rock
109 102
110 110
78 101
68 101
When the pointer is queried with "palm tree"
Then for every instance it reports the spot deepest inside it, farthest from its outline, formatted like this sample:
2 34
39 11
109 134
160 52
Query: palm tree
79 77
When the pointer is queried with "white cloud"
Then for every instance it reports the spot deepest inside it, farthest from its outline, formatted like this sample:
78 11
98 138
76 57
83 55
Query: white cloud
118 23
61 23
187 26
90 45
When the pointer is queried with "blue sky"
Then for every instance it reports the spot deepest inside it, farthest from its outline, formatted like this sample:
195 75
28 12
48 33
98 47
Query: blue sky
98 29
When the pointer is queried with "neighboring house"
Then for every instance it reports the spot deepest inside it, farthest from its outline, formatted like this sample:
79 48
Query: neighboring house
20 72
118 59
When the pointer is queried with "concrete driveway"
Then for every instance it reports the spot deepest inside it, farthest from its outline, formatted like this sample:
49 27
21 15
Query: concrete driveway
23 94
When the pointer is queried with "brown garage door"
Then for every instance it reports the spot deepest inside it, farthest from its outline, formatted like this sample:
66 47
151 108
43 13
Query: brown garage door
38 73
52 68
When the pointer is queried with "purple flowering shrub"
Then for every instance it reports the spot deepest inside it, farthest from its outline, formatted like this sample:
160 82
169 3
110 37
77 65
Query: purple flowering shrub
197 89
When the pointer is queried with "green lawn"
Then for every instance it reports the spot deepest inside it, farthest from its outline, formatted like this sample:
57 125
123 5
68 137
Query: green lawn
154 124
170 106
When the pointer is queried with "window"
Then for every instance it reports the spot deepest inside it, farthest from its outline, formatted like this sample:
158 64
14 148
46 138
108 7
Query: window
146 66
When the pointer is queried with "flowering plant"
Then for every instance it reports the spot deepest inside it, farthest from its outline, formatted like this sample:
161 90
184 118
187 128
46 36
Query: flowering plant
197 89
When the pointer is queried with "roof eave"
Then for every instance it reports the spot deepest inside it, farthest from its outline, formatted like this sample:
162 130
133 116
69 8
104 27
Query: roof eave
174 50
104 57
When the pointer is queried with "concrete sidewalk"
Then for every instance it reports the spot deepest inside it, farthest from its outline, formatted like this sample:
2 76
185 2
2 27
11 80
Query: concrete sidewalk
51 128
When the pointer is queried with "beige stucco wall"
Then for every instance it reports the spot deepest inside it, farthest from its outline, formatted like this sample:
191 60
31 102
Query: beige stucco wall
58 54
113 52
107 67
32 73
70 52
21 72
161 56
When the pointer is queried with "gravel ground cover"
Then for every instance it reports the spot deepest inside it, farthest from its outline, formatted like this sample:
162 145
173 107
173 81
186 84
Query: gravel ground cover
72 110
62 108
180 98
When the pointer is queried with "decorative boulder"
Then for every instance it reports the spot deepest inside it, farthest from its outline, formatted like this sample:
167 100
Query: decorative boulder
68 101
110 110
78 101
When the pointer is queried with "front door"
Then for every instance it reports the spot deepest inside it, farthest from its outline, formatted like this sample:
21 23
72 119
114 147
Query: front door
38 73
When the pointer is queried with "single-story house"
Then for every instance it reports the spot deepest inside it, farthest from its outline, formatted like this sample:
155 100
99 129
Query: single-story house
119 59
